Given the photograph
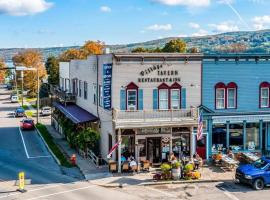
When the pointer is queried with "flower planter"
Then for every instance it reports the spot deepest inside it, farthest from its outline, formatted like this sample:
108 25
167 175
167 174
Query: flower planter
176 173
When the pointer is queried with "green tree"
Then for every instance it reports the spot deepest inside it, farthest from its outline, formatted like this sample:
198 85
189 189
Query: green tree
3 71
52 67
140 50
175 46
88 138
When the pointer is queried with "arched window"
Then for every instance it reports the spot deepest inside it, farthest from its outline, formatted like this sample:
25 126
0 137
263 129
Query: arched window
175 91
232 95
220 96
264 95
132 96
163 96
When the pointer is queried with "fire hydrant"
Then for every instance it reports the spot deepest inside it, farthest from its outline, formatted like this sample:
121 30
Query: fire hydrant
73 159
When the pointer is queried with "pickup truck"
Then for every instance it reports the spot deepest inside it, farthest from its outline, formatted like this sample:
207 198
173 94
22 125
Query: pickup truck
257 174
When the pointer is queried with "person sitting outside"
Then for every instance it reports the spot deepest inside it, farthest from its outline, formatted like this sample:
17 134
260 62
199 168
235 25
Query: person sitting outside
230 153
133 165
196 161
123 158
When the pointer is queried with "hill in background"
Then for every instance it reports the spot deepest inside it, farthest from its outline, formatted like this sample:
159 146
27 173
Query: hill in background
255 41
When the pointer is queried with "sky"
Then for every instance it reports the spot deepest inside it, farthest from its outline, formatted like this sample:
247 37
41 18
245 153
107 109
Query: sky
51 23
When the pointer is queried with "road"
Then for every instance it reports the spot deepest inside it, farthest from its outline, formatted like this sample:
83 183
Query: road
25 151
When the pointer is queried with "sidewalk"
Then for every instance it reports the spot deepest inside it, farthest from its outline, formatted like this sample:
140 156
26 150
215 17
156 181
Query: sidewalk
209 174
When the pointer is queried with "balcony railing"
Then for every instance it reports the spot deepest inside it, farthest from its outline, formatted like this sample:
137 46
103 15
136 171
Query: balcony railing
66 97
142 116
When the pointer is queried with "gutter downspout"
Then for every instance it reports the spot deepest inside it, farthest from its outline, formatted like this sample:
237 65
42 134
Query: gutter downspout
97 89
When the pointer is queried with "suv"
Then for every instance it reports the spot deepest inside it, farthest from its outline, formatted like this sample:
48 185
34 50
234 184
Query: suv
256 174
19 112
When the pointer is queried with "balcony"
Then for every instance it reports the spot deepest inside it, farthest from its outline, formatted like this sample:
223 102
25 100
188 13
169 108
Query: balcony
154 118
63 96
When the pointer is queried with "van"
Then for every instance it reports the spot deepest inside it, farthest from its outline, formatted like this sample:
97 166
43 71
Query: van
14 99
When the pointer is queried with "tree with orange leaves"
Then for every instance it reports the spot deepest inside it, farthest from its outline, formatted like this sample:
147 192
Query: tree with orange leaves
30 59
3 71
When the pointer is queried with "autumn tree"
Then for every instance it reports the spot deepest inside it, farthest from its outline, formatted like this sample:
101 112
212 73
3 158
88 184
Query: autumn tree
30 59
92 48
175 46
71 54
3 70
89 48
52 68
233 48
193 50
139 50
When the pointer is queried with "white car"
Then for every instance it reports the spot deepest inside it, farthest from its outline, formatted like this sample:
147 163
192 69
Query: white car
14 99
46 111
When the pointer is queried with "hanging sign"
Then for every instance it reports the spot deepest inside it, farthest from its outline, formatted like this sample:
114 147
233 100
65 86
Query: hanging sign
107 85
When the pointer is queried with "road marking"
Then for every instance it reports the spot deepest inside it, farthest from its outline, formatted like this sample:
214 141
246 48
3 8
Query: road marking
63 192
33 157
25 149
228 194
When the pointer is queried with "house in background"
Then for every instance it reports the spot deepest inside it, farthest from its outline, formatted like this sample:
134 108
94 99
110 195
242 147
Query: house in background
236 101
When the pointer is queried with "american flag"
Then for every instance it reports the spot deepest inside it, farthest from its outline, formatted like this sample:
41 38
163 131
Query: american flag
113 148
200 127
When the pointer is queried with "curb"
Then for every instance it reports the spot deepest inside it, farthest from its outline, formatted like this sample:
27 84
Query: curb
55 158
119 185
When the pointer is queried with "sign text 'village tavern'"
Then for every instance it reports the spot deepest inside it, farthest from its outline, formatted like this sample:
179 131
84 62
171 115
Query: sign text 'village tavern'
162 75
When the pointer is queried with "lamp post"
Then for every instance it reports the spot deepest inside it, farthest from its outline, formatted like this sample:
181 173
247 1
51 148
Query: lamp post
22 85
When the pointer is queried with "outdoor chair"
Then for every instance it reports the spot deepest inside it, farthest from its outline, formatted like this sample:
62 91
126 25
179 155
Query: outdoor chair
125 166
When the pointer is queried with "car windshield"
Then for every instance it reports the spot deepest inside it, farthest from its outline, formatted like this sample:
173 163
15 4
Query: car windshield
260 164
28 121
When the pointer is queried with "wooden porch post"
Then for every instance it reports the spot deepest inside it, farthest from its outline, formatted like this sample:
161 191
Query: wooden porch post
171 142
119 150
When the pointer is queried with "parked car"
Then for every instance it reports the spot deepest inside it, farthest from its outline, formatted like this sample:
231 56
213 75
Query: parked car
9 86
19 112
14 99
46 111
27 124
257 174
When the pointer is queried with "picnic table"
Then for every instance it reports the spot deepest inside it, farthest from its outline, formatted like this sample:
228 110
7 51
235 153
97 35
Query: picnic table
229 162
250 157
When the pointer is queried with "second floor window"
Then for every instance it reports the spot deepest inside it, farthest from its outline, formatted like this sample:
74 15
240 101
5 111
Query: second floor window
131 99
220 98
95 94
80 88
85 94
231 98
264 97
163 99
175 99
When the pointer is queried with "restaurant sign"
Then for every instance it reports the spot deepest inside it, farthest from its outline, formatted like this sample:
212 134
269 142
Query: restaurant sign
107 85
162 74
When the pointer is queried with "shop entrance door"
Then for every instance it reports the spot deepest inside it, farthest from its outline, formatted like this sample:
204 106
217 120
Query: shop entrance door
201 147
154 150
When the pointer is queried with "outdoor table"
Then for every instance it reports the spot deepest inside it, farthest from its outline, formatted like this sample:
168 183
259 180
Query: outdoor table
251 157
229 162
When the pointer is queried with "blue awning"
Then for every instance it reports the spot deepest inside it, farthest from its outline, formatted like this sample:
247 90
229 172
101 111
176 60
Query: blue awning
75 113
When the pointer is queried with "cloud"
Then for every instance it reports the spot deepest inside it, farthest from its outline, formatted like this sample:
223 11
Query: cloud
160 27
200 33
182 35
189 3
194 25
261 22
105 9
23 7
224 27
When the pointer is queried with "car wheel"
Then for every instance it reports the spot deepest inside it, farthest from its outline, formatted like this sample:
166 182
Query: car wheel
258 184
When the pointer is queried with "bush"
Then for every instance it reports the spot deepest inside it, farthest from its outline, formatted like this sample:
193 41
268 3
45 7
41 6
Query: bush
165 168
55 149
176 165
188 168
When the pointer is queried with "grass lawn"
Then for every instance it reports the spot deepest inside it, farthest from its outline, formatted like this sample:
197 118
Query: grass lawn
55 149
29 113
25 107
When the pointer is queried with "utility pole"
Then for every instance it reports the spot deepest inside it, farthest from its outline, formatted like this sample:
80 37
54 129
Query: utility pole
37 95
16 85
22 85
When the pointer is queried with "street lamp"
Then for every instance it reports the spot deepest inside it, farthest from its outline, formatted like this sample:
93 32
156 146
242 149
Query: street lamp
23 68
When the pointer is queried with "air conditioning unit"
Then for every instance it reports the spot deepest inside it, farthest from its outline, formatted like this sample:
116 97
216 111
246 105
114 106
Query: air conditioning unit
175 107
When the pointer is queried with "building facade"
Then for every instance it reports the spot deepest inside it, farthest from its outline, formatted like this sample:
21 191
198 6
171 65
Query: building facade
148 101
235 102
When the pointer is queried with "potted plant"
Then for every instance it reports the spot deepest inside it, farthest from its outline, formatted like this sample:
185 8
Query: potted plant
176 170
188 171
166 171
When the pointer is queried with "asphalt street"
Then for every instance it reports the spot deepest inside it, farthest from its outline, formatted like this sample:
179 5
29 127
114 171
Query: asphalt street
25 151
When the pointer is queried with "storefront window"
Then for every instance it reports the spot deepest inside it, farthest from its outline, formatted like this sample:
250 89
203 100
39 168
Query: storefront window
253 136
175 99
181 144
132 99
128 146
142 147
163 99
219 142
236 136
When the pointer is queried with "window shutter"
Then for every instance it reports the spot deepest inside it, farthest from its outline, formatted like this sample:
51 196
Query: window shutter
155 99
123 99
183 98
140 97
